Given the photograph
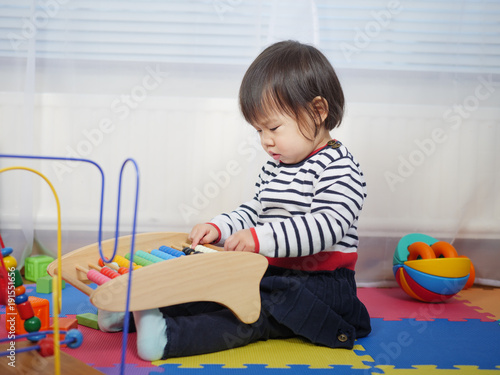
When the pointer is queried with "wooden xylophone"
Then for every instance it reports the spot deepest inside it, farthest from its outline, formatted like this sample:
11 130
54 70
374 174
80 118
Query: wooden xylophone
229 278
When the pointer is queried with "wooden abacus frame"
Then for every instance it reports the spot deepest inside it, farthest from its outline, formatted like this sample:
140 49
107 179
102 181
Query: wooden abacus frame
229 278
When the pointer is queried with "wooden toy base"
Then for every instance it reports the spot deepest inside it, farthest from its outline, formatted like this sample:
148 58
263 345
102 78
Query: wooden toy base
228 278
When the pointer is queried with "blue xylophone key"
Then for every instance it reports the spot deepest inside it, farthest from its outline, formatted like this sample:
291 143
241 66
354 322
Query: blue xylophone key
161 254
173 252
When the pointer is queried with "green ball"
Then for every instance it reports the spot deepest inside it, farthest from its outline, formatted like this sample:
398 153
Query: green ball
32 324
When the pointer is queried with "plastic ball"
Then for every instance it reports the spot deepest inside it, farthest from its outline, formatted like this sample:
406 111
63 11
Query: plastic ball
46 347
32 324
74 337
430 270
472 276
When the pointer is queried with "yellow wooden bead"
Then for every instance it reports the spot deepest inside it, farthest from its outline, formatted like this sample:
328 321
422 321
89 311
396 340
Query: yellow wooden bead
10 262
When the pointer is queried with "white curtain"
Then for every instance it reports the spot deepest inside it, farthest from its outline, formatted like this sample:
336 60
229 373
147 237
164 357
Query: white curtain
158 81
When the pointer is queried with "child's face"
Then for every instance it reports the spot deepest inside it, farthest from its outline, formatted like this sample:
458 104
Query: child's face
281 138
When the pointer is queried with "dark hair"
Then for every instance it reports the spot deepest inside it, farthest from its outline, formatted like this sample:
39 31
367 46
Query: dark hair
287 76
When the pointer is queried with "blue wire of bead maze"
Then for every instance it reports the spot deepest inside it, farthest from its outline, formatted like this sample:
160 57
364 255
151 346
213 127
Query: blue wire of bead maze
55 158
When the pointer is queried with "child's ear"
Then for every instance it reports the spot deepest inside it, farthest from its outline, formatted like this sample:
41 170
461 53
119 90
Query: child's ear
320 106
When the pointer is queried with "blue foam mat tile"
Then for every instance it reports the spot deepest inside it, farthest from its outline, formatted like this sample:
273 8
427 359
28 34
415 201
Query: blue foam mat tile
74 302
128 369
442 343
174 369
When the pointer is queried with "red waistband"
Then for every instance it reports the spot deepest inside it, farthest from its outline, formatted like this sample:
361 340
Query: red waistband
323 261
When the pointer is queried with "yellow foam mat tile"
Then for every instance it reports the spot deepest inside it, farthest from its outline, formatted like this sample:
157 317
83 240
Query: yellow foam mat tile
276 354
432 370
487 300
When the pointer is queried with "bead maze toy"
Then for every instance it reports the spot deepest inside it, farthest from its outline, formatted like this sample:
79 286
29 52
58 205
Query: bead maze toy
56 281
430 270
21 319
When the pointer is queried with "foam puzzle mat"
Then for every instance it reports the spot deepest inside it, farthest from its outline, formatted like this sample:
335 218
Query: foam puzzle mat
458 336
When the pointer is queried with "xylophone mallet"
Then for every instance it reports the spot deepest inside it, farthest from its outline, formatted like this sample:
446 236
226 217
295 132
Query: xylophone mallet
201 248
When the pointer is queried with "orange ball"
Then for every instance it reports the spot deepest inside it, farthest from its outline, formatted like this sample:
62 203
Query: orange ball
20 290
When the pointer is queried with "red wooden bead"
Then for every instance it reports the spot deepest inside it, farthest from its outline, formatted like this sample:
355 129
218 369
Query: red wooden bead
46 347
25 310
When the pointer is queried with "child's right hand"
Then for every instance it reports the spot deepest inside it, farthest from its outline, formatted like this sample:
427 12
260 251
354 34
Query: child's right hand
202 234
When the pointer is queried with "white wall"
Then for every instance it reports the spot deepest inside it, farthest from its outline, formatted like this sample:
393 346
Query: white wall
429 155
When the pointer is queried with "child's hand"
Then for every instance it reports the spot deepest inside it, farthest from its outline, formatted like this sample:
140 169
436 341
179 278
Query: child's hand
202 234
240 241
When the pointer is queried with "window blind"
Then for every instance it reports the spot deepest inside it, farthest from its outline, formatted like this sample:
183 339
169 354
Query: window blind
452 36
413 35
170 31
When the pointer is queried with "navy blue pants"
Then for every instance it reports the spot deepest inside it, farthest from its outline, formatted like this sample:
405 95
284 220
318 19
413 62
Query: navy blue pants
321 307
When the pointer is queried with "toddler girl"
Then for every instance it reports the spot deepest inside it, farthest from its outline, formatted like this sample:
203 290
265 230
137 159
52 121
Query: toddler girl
303 218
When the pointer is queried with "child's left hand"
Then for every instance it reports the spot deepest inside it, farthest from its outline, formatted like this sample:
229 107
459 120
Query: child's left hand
240 241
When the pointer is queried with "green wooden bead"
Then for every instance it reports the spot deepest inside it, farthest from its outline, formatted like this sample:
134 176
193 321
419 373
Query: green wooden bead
32 324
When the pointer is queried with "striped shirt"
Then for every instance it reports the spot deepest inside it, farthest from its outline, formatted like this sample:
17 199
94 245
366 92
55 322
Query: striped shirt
304 216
